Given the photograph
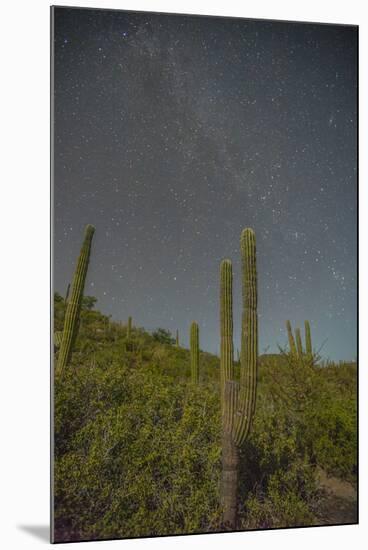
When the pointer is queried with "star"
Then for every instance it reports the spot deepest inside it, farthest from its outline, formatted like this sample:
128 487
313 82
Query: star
173 134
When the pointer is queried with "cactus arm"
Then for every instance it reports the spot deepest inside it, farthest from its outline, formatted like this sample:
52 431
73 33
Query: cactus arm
249 342
71 321
226 328
292 345
299 344
194 352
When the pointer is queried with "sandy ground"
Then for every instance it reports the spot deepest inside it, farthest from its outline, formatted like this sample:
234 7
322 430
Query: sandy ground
339 501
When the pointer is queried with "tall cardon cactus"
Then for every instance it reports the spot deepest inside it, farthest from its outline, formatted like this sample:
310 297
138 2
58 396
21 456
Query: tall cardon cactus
177 338
194 352
238 400
72 314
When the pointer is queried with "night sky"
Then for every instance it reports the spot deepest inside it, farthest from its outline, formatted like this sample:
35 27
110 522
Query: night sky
173 133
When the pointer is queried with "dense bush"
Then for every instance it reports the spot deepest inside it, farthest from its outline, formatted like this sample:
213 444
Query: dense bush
136 454
163 336
137 447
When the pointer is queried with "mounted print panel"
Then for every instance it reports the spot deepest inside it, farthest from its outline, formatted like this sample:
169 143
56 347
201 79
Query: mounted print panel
204 365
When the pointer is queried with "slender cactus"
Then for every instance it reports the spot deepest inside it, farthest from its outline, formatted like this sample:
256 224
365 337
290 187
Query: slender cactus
229 394
308 341
58 335
249 342
299 344
67 293
237 400
296 349
226 320
129 328
177 338
73 308
291 339
194 352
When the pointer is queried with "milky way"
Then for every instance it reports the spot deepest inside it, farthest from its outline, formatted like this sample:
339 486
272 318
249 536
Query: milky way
172 133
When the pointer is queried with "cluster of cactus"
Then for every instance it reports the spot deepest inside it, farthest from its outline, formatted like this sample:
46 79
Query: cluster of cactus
237 399
194 352
296 344
72 313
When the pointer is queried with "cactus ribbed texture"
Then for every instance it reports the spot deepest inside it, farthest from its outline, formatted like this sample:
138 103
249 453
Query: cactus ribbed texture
229 395
249 341
299 344
237 400
72 313
308 340
194 352
291 339
226 320
129 328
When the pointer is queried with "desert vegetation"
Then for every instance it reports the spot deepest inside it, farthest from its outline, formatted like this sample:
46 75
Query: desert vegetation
155 439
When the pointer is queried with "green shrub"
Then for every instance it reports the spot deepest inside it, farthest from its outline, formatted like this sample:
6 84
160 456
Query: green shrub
138 456
331 432
137 447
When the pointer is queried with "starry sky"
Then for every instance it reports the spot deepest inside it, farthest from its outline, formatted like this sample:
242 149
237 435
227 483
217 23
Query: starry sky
173 133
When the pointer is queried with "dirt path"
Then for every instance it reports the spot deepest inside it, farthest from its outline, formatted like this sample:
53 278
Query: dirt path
339 503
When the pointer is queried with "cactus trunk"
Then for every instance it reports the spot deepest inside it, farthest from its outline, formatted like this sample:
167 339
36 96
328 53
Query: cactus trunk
230 458
73 308
229 486
291 339
194 352
177 338
237 400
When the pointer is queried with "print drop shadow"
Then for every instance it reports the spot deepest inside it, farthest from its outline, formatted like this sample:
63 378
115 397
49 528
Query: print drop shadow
41 532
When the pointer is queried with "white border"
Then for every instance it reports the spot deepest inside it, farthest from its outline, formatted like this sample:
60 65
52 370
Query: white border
24 367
